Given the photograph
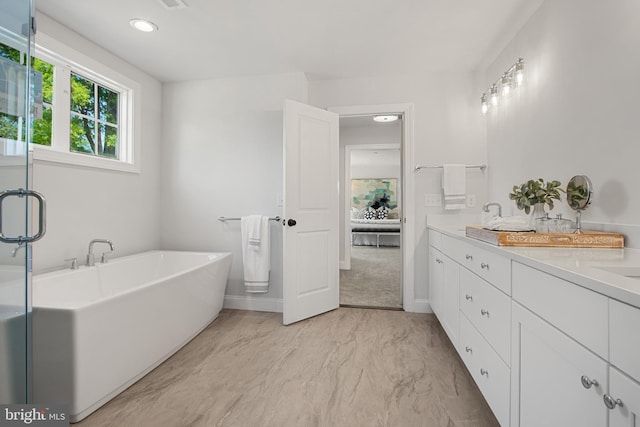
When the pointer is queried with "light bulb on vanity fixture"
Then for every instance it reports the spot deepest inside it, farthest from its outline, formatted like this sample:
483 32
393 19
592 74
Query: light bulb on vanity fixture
505 84
494 96
484 105
511 79
519 72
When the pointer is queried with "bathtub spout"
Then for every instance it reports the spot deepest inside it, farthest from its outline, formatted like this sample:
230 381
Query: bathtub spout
90 258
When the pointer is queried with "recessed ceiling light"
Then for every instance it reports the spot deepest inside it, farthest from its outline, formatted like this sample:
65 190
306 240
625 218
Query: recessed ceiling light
389 118
143 25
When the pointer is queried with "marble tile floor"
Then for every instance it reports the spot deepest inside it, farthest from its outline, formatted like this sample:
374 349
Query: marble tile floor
346 368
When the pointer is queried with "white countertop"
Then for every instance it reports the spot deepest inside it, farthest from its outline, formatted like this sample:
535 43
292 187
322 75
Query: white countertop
577 265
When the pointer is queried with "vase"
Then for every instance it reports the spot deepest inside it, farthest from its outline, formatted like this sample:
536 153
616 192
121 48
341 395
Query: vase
536 213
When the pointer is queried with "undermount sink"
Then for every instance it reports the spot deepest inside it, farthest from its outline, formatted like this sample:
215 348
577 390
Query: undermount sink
626 271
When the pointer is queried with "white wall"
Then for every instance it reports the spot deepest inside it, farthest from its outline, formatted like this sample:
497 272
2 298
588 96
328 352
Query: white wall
373 134
222 156
86 203
448 129
382 171
579 112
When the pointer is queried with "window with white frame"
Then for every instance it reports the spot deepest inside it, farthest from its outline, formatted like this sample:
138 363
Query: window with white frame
85 116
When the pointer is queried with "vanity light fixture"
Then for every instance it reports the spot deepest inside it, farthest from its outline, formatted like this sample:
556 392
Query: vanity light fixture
511 79
143 25
385 118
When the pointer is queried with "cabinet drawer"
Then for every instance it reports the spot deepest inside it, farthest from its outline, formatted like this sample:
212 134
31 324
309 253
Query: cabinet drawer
492 267
487 369
489 310
580 313
435 239
624 346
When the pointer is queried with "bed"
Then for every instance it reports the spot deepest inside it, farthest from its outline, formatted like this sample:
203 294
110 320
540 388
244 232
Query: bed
375 232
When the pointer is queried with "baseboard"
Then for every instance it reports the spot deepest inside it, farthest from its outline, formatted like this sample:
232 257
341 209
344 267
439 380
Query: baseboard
238 302
421 306
274 305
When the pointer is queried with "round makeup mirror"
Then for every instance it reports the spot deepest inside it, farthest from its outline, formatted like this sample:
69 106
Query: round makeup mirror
579 190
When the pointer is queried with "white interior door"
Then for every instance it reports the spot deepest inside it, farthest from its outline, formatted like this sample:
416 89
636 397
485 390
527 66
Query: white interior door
311 251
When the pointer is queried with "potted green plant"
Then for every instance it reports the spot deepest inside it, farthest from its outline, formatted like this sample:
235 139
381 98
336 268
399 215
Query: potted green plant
534 192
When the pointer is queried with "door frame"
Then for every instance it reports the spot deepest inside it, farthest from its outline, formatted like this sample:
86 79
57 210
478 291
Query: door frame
408 196
348 149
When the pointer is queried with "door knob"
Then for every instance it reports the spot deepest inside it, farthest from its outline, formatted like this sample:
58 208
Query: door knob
291 222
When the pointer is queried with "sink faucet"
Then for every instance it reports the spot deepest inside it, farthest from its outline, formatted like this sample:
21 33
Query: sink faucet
90 260
486 206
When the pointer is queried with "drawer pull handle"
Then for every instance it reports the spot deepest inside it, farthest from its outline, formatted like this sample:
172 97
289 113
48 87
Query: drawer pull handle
468 297
438 260
468 350
468 257
484 372
484 266
486 313
587 382
610 402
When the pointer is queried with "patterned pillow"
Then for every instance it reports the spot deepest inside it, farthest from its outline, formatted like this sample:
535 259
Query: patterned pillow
369 214
382 212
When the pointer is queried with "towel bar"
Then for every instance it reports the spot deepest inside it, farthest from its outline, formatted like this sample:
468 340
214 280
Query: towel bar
481 167
223 219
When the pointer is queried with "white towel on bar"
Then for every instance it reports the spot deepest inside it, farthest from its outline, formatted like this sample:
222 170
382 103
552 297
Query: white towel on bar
256 252
454 186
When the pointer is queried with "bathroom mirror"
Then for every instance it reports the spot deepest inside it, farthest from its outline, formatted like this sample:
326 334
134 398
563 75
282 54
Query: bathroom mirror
579 190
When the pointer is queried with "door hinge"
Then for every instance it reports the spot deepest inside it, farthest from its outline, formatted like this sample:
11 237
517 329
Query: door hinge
29 28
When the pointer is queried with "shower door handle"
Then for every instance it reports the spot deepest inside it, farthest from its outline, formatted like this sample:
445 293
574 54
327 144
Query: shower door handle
42 214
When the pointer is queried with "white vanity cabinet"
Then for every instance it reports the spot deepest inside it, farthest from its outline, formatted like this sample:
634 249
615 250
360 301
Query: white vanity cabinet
492 267
544 350
443 279
468 286
623 398
575 354
488 370
556 382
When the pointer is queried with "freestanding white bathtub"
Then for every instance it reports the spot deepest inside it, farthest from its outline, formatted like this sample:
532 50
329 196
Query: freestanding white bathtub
97 330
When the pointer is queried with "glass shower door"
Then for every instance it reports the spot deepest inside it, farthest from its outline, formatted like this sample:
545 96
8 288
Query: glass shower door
16 105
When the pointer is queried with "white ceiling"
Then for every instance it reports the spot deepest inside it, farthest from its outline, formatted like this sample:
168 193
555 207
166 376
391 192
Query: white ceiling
375 158
326 39
354 122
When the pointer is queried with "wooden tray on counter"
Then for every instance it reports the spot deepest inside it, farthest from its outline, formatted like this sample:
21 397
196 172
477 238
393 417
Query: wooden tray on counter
588 239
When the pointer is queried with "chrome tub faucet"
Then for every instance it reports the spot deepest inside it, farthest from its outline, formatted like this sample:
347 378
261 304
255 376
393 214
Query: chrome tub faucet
90 257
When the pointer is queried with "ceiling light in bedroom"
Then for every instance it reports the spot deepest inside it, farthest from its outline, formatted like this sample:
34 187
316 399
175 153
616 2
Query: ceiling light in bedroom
384 119
143 25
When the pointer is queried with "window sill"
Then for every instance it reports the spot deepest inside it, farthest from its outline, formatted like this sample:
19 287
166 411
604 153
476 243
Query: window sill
77 159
